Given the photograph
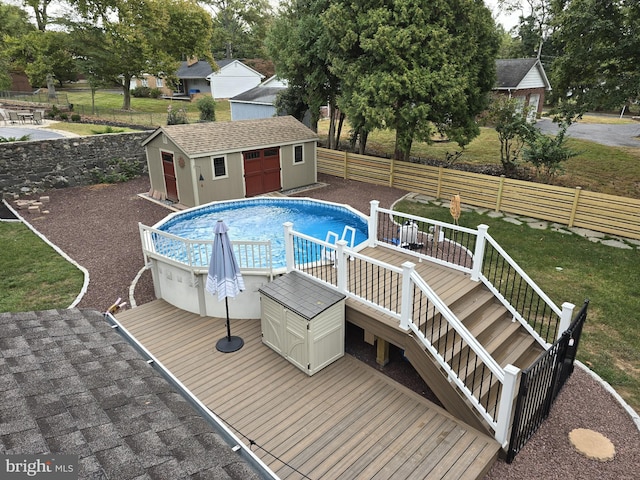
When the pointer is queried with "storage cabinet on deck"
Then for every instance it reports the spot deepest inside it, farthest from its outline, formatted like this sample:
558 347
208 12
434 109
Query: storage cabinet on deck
303 321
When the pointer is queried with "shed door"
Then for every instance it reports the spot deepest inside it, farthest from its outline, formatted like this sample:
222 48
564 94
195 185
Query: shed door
169 171
262 171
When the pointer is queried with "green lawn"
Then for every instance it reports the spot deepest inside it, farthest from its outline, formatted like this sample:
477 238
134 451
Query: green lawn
34 276
607 276
144 111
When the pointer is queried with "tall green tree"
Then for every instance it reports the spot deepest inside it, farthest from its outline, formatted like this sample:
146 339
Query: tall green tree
146 36
300 48
414 67
44 53
240 27
600 59
40 9
14 23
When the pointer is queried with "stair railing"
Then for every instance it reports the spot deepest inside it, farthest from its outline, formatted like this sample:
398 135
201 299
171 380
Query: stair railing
477 253
401 293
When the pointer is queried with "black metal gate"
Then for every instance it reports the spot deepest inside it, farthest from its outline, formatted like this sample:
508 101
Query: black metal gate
541 383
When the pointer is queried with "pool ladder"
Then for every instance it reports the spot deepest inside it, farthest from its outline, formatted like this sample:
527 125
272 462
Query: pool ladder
332 238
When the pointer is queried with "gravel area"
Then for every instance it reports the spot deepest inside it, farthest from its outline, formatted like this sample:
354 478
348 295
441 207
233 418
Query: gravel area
97 226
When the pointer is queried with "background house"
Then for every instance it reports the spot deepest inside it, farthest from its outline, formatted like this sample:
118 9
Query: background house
192 78
232 78
199 163
257 102
523 79
150 81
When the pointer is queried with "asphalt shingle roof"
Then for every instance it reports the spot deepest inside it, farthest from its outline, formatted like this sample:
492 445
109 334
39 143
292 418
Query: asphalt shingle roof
259 94
511 71
70 384
198 139
198 70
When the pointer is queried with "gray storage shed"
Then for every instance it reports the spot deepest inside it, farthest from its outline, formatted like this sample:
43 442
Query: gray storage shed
199 163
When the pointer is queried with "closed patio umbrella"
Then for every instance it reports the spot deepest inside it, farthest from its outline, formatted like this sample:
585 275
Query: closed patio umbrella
225 279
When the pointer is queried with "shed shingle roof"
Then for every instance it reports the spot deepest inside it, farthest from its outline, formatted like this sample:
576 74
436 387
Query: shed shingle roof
200 139
70 384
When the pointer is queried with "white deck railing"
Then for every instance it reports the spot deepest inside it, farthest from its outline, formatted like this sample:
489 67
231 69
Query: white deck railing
194 255
477 253
408 282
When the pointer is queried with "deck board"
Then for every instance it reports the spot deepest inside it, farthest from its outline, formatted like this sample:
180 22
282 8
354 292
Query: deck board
347 421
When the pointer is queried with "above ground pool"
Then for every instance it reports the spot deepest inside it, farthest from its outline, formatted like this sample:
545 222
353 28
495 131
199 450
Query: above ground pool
261 219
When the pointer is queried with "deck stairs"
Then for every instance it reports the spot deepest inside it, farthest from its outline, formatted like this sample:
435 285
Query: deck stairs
486 319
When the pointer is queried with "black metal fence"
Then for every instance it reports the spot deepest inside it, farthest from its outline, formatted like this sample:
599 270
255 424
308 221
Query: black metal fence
541 383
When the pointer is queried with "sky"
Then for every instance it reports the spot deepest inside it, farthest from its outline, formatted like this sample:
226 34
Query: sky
507 21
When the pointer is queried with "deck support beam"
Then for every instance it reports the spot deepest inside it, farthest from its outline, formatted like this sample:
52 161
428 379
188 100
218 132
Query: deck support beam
382 352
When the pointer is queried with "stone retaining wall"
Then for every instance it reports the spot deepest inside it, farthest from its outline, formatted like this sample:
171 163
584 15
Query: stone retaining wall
36 166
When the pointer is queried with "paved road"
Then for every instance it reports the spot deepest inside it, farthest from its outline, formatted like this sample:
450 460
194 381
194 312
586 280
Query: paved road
626 135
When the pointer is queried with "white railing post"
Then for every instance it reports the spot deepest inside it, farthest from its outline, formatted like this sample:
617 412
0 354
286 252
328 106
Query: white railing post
373 222
288 246
505 409
478 254
341 263
565 318
406 307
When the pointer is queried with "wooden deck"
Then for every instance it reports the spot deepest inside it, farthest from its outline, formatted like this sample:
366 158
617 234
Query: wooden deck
347 421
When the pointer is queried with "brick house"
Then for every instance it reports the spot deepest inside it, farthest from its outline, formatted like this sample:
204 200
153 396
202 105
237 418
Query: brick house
523 79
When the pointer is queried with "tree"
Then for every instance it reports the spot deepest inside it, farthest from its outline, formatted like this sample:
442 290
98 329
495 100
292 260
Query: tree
40 12
14 23
546 152
598 66
300 49
44 53
509 118
147 36
414 67
240 27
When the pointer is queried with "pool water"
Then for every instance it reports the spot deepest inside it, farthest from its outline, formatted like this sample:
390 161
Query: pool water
262 219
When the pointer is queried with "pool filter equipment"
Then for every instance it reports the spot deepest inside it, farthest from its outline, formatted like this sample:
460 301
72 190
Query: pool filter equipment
408 233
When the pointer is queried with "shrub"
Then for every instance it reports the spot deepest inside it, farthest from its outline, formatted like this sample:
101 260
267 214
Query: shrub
176 117
63 116
141 92
23 138
155 93
75 117
207 107
547 153
107 129
117 170
53 112
509 118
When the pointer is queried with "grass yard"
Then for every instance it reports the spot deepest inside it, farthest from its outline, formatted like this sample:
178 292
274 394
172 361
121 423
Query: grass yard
607 276
34 276
144 111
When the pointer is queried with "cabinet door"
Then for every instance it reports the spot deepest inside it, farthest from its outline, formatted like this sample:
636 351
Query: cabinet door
296 340
272 325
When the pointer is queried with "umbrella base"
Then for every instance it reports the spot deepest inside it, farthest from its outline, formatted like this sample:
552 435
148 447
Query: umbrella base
229 344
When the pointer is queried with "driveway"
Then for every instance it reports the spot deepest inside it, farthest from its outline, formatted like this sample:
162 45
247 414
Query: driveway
626 135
